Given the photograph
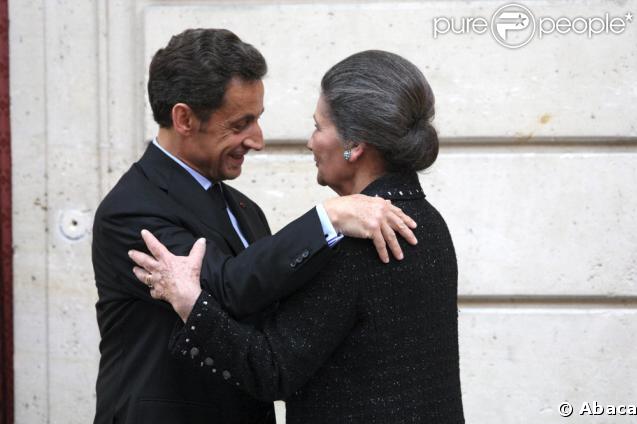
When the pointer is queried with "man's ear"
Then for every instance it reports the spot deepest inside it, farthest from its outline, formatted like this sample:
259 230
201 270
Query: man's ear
184 119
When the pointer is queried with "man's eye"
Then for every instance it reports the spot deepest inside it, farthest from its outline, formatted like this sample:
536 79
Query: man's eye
241 126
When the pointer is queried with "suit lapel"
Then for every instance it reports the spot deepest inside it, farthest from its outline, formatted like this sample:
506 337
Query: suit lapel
239 210
169 176
221 217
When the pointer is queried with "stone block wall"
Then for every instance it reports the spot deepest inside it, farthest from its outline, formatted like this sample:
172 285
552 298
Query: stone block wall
536 179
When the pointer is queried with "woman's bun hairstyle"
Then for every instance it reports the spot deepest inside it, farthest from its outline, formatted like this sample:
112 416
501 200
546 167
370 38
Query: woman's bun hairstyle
384 100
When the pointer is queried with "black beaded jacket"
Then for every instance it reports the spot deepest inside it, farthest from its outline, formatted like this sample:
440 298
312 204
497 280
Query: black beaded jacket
365 342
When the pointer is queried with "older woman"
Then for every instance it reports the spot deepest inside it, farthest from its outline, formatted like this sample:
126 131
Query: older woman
365 342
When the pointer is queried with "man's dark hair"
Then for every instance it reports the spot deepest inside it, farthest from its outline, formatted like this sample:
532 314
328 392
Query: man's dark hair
384 100
195 68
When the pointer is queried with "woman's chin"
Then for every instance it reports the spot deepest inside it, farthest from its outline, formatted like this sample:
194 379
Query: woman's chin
320 180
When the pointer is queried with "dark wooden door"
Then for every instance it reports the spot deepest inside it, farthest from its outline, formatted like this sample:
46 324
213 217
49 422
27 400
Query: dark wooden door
6 250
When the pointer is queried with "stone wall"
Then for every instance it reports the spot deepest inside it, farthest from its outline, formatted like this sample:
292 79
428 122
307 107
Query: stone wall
536 179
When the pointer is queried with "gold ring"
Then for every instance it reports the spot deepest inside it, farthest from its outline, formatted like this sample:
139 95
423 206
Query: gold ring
148 282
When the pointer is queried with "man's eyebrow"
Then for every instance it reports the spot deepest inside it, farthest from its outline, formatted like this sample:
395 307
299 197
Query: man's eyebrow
248 116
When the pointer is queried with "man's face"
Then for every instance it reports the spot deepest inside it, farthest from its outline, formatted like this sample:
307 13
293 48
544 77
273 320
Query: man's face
218 148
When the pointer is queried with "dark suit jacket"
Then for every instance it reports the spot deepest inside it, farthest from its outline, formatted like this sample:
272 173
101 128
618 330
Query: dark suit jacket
365 342
139 382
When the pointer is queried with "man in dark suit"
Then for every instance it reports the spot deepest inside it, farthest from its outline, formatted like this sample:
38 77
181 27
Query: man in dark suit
206 94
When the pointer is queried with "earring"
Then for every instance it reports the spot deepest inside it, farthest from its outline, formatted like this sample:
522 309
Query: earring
347 154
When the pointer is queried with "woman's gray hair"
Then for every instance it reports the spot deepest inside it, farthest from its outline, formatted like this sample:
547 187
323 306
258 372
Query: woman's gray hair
383 100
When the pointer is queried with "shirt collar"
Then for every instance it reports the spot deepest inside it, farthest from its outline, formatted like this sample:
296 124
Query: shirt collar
203 181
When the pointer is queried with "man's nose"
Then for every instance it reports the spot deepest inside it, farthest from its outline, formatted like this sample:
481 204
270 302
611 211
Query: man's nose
255 138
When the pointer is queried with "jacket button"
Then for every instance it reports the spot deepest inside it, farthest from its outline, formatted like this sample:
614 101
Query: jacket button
306 253
299 260
292 264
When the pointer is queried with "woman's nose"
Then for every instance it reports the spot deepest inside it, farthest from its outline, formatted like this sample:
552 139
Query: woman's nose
309 142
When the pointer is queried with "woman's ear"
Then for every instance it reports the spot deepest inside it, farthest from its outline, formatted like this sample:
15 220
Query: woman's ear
357 151
184 119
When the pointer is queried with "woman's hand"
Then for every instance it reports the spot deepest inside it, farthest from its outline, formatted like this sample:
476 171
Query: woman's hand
174 279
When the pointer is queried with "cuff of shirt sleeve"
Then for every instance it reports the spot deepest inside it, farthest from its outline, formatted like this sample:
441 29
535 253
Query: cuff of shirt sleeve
331 236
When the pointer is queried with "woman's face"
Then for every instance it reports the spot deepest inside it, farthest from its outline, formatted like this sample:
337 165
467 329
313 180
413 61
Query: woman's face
327 147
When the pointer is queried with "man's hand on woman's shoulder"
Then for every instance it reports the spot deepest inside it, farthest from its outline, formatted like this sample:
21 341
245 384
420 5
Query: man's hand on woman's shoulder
361 216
